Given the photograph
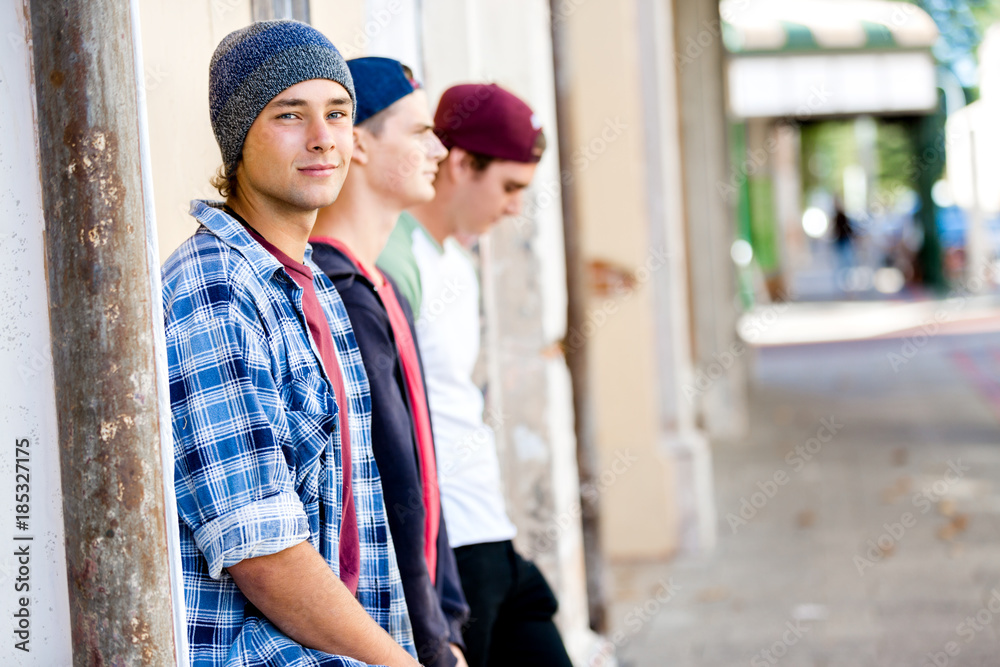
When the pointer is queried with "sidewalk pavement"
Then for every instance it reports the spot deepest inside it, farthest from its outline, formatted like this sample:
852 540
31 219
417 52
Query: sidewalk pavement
859 523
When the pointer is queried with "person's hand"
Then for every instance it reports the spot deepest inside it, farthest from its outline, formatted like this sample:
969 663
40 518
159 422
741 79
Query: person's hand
459 655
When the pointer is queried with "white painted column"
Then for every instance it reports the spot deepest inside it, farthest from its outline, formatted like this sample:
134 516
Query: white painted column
695 55
665 197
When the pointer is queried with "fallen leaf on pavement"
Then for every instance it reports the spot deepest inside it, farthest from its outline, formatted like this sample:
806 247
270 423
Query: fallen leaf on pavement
898 489
953 528
717 594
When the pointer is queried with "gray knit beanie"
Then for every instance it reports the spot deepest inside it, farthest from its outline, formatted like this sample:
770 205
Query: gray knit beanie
252 65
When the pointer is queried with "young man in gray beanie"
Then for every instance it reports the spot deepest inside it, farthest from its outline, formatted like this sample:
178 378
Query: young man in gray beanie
285 549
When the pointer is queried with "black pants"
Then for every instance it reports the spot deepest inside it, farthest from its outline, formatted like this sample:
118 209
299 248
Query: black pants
511 610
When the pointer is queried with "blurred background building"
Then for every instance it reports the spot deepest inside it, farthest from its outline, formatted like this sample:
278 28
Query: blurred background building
722 178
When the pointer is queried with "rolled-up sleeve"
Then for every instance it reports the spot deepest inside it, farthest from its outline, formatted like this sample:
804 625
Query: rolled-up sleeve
259 529
234 486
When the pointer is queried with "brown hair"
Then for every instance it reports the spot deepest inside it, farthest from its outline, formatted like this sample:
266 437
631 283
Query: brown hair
225 184
480 161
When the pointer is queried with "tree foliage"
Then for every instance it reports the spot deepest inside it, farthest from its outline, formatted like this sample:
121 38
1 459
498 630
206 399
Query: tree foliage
962 24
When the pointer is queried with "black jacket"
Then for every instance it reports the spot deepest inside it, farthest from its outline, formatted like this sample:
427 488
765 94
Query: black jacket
436 612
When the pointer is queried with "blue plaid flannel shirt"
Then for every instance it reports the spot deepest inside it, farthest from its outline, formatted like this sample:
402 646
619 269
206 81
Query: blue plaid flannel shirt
256 442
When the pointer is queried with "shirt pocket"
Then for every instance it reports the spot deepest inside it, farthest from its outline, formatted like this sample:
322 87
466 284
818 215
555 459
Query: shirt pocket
312 418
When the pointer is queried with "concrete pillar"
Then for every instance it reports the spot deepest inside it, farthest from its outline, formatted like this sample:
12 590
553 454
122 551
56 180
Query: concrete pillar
668 203
575 346
618 330
630 196
795 248
108 357
390 28
698 60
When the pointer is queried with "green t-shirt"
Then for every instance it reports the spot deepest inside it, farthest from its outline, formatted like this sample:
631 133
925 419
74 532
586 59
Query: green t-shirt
397 259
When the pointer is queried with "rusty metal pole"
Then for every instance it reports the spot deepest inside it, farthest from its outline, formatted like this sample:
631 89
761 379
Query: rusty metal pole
101 318
575 347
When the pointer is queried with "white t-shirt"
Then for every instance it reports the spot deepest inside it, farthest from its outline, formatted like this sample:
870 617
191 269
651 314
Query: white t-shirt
448 337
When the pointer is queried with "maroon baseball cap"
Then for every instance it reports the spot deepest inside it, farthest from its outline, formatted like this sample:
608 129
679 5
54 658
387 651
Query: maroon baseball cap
485 118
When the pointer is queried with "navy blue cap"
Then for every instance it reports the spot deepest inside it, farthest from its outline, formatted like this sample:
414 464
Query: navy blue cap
378 82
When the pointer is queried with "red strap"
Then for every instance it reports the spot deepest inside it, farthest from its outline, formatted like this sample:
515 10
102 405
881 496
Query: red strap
406 347
349 552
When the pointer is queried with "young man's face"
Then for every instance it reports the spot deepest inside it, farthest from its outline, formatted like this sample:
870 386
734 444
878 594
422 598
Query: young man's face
492 194
403 156
298 149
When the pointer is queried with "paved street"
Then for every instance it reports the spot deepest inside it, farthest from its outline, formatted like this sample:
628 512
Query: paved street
859 524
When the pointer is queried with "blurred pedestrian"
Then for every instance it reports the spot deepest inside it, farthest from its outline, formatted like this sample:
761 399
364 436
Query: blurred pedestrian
395 160
495 143
843 237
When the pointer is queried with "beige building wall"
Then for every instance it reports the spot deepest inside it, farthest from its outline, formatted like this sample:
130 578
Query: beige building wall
344 23
638 510
182 147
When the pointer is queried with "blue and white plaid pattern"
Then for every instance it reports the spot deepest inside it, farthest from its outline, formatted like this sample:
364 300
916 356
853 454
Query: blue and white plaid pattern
256 442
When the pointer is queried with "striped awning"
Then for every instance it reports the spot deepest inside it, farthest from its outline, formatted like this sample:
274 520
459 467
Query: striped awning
773 26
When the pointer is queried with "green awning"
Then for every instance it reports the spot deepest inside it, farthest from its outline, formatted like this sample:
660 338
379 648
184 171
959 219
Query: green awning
802 26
